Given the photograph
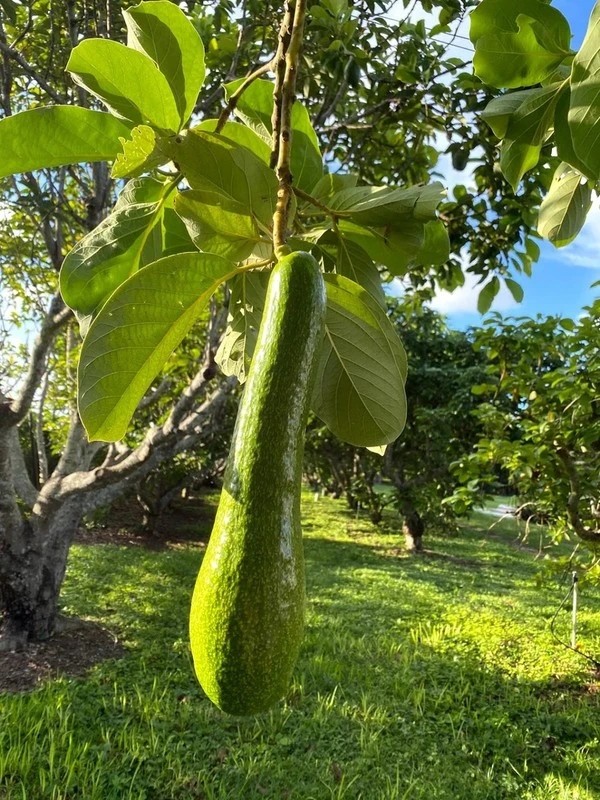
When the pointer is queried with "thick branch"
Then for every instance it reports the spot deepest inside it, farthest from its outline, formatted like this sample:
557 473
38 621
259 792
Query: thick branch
574 499
21 480
55 318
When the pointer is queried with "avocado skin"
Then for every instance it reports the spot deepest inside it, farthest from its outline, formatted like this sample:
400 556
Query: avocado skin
247 614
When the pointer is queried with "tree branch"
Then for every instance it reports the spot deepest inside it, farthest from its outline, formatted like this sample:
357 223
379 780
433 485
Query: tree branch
574 499
19 59
21 480
57 316
285 87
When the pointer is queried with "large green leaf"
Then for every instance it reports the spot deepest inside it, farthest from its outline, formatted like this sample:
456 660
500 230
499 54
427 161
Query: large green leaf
255 108
128 82
381 205
218 224
584 120
435 249
564 209
524 121
359 391
211 162
240 134
394 248
518 42
57 135
331 184
516 158
161 30
349 259
498 112
525 116
563 136
110 253
246 304
136 331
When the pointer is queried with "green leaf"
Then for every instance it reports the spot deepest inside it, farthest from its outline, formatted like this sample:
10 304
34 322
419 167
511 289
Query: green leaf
210 162
381 205
584 120
487 295
517 42
246 304
353 262
394 248
126 81
564 209
359 389
515 289
435 249
563 137
57 135
218 224
136 331
141 153
161 30
527 118
255 109
241 135
499 110
516 158
524 120
331 184
10 9
110 253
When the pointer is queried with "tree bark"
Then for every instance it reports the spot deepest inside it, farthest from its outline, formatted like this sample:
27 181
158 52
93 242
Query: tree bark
413 528
31 575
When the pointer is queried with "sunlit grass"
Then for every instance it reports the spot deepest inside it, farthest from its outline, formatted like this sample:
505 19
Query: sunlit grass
420 678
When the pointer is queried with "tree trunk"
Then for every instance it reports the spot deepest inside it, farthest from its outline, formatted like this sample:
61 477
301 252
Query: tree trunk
32 570
413 529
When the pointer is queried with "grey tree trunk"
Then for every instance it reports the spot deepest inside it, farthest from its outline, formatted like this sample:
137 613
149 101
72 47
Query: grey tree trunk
31 575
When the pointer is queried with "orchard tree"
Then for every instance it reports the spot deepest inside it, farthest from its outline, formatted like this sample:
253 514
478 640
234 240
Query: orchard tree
541 418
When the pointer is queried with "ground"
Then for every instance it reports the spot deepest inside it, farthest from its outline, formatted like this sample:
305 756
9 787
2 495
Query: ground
69 653
80 643
429 678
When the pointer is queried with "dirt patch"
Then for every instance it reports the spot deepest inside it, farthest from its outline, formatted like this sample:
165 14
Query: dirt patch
70 653
188 522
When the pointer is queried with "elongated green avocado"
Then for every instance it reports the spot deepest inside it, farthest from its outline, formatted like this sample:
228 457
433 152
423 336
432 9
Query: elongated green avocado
247 614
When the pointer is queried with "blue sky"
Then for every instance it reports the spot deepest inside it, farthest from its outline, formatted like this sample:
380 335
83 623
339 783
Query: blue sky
561 281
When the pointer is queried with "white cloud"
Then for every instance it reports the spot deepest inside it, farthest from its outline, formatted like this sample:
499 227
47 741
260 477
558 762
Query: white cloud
585 250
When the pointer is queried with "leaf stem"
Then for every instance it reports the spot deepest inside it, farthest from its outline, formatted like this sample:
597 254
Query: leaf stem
287 61
318 204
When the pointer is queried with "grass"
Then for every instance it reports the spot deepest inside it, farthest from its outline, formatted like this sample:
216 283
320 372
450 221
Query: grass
420 678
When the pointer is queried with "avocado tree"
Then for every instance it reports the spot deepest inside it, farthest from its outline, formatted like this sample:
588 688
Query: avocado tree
139 280
54 206
540 417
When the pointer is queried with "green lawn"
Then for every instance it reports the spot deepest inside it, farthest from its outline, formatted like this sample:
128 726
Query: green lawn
427 677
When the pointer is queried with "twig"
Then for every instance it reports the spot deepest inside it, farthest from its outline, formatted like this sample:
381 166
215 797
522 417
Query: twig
233 100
